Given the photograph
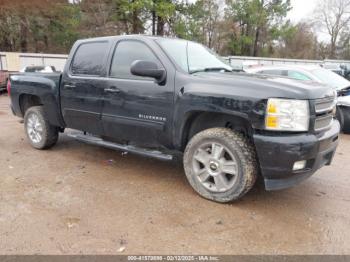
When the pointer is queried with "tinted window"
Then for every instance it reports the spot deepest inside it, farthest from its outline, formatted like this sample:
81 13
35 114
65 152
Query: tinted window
125 54
89 59
297 75
34 68
272 72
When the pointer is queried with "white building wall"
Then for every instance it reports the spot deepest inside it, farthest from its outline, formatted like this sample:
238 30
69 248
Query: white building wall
16 61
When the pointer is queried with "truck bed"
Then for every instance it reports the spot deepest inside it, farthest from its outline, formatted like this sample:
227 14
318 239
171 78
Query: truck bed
43 85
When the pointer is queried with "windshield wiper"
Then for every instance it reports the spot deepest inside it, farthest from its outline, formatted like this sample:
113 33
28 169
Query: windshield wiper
211 69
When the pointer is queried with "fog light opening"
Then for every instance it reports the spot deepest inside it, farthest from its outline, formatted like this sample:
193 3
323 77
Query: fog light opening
299 165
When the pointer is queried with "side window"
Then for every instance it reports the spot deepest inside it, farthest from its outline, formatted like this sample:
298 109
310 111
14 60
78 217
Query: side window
89 59
297 75
125 54
272 72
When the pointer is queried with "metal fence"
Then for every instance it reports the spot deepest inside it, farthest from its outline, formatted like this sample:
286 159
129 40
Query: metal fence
16 61
246 61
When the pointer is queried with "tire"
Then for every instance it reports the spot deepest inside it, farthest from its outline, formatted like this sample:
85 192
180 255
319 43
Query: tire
340 117
40 133
346 119
220 164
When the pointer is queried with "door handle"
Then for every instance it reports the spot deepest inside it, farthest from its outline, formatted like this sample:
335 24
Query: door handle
112 90
69 86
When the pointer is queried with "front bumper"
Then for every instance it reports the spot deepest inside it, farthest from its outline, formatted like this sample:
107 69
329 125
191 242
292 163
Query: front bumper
278 153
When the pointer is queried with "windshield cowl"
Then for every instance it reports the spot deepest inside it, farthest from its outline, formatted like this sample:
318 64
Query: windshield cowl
212 69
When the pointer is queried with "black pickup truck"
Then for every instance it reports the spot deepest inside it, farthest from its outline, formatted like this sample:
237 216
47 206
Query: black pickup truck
160 97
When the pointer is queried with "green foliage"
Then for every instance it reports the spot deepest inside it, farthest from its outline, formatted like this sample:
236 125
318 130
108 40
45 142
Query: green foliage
197 21
257 22
231 27
63 29
38 30
163 8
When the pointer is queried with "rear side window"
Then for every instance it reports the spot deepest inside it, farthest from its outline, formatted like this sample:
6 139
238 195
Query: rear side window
297 75
273 72
125 54
89 59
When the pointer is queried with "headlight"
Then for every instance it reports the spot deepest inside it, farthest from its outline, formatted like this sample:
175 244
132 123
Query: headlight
287 115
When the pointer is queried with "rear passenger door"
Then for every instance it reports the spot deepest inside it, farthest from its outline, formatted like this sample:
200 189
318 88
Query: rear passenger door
137 109
82 87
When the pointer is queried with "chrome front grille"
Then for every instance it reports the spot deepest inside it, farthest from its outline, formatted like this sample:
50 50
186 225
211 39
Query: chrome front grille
324 104
324 109
323 122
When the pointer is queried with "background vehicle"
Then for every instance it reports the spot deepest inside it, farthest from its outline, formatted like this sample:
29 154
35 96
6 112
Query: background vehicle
320 75
342 69
4 75
159 97
41 69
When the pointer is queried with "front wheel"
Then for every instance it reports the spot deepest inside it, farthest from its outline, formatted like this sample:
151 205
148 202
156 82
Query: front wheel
340 117
220 164
40 133
345 111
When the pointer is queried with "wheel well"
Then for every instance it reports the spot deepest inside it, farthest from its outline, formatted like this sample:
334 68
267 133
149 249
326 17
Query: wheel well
26 101
200 121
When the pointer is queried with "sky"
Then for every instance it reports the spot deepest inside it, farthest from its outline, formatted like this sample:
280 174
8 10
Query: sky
301 9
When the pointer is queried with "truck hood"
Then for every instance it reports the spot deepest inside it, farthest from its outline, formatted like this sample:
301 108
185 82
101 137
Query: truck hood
261 86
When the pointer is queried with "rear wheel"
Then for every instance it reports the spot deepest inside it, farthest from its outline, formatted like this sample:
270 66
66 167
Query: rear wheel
220 164
40 133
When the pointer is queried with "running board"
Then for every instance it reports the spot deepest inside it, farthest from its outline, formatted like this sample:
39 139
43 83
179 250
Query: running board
128 148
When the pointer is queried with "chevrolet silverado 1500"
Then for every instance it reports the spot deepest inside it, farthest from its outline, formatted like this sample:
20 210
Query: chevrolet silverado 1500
159 97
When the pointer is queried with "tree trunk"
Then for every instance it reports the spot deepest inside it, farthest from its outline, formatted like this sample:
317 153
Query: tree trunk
333 47
24 35
46 42
160 25
136 24
210 40
256 42
153 22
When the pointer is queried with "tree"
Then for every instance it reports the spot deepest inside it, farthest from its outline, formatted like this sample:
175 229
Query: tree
32 26
238 27
96 15
255 19
199 21
334 16
297 41
62 30
344 44
162 11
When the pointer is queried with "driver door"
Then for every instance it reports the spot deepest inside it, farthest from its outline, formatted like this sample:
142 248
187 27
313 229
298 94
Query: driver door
136 109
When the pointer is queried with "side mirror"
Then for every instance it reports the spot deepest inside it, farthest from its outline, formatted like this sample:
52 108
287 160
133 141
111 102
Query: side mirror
148 69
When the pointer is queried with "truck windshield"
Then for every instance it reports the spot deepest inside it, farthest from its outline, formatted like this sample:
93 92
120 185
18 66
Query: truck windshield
193 57
330 78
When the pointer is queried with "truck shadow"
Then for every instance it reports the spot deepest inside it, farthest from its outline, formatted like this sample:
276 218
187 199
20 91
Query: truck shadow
166 174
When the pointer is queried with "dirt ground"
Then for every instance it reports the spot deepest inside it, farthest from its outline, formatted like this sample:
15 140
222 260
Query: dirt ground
76 198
